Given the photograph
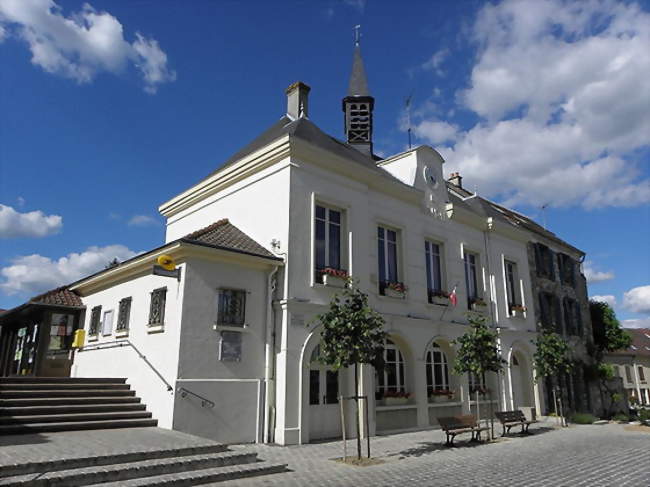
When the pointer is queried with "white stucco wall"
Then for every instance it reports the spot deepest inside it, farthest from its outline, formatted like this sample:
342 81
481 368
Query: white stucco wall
160 348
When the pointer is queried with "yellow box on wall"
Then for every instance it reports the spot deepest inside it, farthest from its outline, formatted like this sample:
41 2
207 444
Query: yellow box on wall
79 338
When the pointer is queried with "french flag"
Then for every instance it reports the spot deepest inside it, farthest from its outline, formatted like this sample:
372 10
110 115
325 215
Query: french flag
453 298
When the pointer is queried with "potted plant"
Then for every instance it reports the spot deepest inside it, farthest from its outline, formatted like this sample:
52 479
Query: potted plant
439 297
335 277
441 395
395 290
480 390
517 310
478 304
396 398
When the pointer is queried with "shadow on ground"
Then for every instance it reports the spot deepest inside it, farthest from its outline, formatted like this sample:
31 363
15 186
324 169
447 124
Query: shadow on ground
28 439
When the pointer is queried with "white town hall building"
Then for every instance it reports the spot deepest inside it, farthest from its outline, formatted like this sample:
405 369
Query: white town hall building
229 345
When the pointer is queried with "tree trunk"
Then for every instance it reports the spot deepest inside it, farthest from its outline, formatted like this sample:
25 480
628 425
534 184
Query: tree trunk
356 406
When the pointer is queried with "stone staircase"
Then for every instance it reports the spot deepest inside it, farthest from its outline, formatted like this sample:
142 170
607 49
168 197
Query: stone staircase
45 404
193 465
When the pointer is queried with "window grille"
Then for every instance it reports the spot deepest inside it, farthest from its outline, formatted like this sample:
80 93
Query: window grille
232 307
157 307
95 317
124 315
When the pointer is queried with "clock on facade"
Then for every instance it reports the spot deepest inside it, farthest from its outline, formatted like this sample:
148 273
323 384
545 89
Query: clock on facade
430 178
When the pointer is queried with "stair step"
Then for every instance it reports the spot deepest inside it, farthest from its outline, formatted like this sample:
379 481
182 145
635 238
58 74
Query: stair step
69 409
61 386
62 380
110 459
59 393
53 401
68 418
132 470
10 429
204 476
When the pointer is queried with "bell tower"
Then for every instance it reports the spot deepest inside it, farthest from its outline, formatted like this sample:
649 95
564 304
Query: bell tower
358 104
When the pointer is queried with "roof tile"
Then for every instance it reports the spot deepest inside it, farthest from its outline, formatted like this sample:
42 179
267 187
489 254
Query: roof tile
60 296
224 234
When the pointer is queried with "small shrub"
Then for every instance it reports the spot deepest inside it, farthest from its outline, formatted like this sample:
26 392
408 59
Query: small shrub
621 417
644 415
583 418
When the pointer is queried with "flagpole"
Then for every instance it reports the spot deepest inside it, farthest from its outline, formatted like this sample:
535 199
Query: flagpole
453 292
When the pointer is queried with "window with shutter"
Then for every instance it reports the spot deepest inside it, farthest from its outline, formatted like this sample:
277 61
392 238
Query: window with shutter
230 346
557 315
95 317
157 307
231 307
123 315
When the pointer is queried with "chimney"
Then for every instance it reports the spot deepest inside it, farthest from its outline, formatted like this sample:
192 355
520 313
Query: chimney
456 179
297 100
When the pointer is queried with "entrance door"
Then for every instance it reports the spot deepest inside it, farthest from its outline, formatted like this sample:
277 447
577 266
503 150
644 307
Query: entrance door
57 346
324 409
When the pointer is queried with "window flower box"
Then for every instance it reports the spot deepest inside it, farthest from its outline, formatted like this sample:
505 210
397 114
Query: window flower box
441 298
441 396
517 310
395 290
479 305
334 277
396 398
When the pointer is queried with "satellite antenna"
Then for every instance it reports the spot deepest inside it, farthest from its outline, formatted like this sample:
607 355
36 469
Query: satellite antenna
407 103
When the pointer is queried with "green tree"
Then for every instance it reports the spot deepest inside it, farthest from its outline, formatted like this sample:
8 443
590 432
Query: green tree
551 356
352 334
608 334
608 337
478 352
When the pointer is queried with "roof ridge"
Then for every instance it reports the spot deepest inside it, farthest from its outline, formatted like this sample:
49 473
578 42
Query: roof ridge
209 228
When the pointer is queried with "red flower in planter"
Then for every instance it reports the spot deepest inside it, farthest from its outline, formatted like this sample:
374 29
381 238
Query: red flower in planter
403 394
340 273
399 287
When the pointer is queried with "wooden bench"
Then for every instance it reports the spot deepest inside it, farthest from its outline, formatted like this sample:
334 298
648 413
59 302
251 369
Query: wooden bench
510 419
456 425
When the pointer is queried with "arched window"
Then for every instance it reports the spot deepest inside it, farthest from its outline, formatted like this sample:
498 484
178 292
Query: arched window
391 378
437 369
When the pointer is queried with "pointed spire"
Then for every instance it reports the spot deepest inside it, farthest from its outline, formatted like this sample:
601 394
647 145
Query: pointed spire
358 82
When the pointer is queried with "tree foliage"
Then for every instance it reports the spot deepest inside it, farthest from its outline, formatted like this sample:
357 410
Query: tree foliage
352 331
551 355
477 349
608 334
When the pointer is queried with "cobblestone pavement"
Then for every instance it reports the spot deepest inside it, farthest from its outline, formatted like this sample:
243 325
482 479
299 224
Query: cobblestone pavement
590 456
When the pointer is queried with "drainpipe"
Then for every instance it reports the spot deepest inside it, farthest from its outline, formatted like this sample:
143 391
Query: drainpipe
269 355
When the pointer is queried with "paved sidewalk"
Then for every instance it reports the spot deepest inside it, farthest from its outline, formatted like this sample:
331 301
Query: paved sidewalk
589 456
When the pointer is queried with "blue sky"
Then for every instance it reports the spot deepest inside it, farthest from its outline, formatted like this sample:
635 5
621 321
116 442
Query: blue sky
111 108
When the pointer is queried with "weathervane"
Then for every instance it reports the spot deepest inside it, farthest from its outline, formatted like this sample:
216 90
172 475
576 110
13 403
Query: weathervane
357 34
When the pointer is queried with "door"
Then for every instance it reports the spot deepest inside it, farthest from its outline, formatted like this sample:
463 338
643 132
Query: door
324 409
57 345
518 395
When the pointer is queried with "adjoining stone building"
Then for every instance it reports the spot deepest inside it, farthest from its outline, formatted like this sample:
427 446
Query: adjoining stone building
633 367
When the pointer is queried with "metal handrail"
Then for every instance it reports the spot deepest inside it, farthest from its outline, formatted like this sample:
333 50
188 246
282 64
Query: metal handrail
126 343
204 401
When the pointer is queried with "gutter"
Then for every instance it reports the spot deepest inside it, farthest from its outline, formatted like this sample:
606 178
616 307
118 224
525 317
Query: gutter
269 353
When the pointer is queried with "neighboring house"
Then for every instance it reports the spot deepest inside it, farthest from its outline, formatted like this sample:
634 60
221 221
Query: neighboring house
35 337
633 366
238 329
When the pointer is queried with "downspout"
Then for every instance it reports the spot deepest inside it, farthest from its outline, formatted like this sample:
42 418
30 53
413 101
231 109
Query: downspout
269 355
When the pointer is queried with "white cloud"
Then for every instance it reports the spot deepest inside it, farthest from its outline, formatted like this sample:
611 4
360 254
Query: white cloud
549 87
636 323
592 275
359 5
82 44
20 201
435 62
637 299
33 274
14 224
607 298
436 131
3 33
142 221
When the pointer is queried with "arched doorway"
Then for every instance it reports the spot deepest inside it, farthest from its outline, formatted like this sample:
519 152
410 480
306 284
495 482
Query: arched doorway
521 381
324 410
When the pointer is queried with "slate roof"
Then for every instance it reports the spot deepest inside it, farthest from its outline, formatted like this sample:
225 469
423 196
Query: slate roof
640 343
487 208
61 296
224 234
358 85
304 129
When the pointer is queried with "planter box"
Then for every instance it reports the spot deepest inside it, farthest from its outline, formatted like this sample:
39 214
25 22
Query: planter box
517 313
391 293
438 399
479 307
334 281
440 300
396 401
